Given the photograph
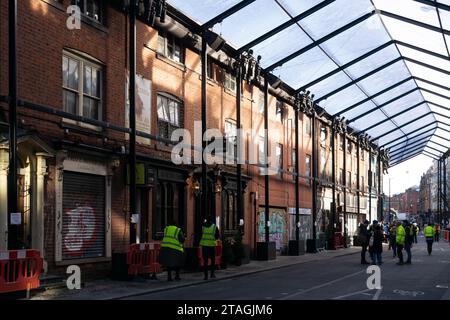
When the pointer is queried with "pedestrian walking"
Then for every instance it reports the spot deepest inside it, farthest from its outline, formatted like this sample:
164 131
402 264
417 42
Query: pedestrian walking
392 240
416 231
437 233
210 234
171 255
400 241
363 239
409 239
429 236
376 247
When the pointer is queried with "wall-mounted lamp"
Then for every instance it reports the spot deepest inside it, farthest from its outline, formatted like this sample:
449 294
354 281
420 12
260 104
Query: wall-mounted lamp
196 188
218 187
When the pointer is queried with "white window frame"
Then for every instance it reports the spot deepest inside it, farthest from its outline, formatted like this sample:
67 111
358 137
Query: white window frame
82 63
163 48
230 82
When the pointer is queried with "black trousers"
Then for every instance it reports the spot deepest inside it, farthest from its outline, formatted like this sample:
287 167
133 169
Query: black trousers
363 252
429 245
400 253
209 253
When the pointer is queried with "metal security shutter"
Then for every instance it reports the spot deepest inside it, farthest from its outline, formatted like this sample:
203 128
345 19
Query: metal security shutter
83 231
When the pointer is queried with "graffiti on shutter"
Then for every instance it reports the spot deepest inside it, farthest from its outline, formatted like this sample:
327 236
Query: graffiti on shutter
83 216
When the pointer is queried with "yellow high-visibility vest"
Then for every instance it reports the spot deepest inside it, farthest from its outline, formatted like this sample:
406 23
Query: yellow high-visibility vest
170 239
208 236
401 234
429 232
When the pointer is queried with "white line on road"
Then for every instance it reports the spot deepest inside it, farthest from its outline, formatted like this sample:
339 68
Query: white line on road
323 285
377 295
351 294
441 286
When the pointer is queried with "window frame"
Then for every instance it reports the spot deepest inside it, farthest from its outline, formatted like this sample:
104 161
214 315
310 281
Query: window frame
229 82
308 169
82 4
280 160
171 40
170 126
82 63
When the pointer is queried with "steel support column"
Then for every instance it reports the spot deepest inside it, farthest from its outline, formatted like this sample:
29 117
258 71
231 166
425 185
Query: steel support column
314 160
297 178
344 152
132 97
333 178
266 155
380 198
370 182
358 183
12 173
204 188
239 155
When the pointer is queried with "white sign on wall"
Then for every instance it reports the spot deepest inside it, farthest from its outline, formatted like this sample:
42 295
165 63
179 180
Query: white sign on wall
16 218
143 106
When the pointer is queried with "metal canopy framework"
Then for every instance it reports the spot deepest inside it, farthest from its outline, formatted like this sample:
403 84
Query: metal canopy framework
383 65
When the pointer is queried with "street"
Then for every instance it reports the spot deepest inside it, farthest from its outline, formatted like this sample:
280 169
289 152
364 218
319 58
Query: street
339 278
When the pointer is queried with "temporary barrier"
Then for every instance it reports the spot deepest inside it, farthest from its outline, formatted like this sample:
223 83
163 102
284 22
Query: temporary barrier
446 235
20 270
338 240
142 258
218 259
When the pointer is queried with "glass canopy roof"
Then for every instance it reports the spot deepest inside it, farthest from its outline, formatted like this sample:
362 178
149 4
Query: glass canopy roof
383 65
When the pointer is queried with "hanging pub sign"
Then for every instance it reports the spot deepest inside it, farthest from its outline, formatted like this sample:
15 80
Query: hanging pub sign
140 174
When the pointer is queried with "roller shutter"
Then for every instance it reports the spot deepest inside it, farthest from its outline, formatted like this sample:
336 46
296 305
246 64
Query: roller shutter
83 231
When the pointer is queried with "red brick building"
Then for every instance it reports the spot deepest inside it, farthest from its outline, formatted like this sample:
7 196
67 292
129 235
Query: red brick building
73 191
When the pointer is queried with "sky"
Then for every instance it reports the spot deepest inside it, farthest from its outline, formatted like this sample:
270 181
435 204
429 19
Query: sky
406 174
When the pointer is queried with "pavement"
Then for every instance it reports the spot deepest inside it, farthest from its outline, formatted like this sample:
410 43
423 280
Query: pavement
107 289
339 278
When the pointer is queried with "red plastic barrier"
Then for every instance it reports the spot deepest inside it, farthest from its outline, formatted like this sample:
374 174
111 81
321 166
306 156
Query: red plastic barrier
20 270
218 260
142 258
446 235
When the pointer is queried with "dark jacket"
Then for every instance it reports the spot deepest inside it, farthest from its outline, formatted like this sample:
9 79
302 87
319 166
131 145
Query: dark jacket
364 235
409 238
377 241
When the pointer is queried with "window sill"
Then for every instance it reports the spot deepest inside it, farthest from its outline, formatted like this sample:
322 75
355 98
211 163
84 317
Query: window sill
161 146
81 127
178 65
82 261
55 4
94 23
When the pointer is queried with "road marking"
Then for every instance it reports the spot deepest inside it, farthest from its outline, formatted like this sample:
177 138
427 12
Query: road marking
377 295
441 286
351 294
444 261
408 293
323 285
442 249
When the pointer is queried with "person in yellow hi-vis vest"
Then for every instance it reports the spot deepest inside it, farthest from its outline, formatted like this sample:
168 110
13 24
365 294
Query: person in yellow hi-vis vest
210 235
400 241
428 232
171 255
